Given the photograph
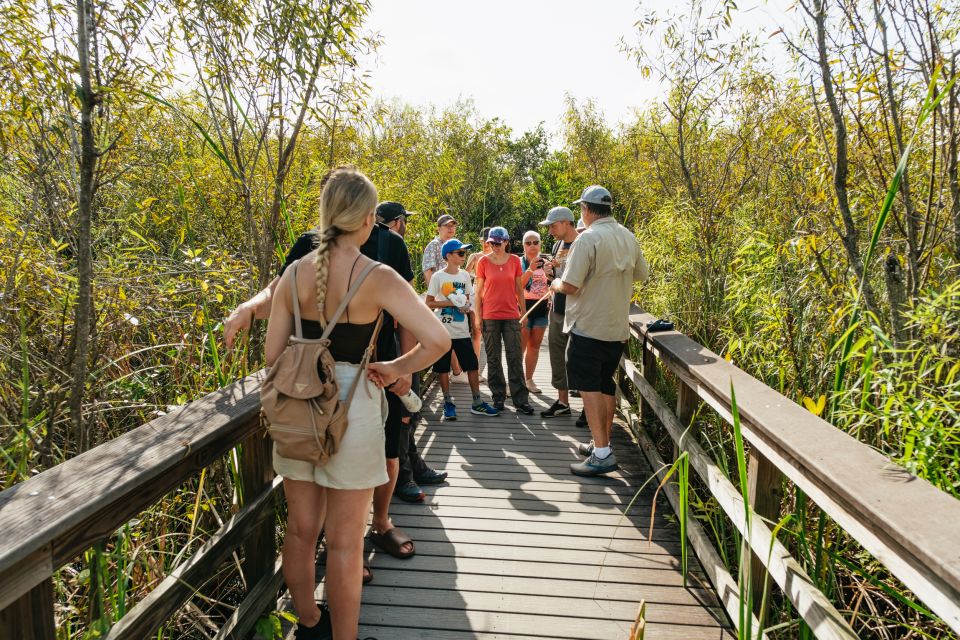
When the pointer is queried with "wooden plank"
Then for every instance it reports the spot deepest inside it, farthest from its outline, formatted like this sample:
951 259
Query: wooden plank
895 515
548 554
542 605
815 608
87 497
180 584
519 568
31 616
426 620
545 528
654 632
637 518
535 503
603 591
669 545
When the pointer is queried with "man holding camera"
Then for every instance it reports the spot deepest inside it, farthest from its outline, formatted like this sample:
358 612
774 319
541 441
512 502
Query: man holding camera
598 281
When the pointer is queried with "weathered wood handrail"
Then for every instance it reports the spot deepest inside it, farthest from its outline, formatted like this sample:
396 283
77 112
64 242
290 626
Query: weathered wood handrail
53 517
903 521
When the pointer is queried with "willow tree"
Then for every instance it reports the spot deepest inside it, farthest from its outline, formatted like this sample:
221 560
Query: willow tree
267 70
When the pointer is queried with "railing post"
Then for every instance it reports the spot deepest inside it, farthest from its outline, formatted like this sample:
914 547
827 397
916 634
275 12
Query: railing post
687 403
650 375
256 470
765 492
30 617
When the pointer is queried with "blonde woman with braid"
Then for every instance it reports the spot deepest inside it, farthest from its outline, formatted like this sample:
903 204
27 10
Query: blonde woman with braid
337 496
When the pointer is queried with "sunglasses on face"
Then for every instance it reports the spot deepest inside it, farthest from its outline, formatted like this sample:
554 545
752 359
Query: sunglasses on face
494 243
460 252
531 243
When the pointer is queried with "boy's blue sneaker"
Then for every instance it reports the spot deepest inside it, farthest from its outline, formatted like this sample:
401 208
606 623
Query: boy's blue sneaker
449 411
484 409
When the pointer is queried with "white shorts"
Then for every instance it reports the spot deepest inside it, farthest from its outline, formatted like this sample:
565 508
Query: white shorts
360 463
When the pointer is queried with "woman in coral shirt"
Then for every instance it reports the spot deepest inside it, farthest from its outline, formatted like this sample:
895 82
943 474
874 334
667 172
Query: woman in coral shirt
499 298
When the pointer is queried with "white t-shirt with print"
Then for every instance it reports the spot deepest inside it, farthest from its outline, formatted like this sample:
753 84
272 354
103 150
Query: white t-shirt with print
444 284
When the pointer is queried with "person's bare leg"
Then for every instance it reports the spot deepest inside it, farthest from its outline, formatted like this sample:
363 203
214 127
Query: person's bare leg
347 511
563 396
596 409
445 383
531 354
473 377
610 407
305 510
455 365
381 502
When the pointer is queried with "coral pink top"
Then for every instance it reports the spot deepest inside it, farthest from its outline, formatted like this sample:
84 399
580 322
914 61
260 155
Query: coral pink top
500 288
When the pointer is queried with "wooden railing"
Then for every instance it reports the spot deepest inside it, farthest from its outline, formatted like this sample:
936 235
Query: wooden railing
52 518
906 523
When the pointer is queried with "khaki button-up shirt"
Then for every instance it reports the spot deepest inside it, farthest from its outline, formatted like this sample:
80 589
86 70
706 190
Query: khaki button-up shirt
604 263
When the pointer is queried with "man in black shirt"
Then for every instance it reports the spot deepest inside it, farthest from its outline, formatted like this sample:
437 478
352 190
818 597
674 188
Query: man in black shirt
387 247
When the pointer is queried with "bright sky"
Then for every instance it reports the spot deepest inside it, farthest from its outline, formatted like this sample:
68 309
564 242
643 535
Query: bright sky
518 58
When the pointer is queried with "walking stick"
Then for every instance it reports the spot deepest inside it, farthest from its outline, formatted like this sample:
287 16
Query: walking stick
545 296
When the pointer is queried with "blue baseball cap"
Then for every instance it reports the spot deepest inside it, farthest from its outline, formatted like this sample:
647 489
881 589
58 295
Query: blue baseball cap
595 194
498 234
453 245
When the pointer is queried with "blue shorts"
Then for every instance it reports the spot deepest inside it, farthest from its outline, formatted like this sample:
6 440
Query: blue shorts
540 317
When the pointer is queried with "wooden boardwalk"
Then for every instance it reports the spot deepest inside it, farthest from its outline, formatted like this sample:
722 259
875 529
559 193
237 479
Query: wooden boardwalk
513 546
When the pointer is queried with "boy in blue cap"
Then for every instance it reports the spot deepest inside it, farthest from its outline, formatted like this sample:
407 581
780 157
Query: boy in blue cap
450 295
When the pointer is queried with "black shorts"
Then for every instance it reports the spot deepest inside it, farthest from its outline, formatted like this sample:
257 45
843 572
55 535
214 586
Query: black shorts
465 354
391 429
591 364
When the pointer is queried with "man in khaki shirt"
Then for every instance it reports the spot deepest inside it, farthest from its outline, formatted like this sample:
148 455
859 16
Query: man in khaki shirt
605 262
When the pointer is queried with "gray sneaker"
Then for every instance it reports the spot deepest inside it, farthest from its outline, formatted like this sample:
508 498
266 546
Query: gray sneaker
594 466
585 449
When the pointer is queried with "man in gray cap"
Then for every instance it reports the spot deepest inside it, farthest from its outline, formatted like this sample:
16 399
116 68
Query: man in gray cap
432 260
559 222
598 281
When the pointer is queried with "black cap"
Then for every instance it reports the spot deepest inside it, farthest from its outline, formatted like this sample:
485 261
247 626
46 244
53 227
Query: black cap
389 211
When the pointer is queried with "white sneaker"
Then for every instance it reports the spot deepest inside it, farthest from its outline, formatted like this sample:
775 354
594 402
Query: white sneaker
532 387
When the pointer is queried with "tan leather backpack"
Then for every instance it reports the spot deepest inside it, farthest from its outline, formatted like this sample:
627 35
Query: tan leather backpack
300 395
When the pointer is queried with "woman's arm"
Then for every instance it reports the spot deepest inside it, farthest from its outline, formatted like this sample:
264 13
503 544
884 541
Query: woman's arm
520 301
281 321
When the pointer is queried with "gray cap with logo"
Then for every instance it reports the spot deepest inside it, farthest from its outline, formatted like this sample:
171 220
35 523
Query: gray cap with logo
595 194
556 215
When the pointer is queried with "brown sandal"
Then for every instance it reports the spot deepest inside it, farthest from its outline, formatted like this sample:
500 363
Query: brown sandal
391 541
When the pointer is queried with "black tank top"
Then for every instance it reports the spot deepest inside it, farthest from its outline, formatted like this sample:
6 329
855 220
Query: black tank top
348 341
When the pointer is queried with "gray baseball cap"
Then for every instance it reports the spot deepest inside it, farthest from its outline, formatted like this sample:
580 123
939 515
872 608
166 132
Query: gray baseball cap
556 215
595 194
445 219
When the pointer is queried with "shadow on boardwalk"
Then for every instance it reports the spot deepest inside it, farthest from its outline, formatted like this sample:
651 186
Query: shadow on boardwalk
513 546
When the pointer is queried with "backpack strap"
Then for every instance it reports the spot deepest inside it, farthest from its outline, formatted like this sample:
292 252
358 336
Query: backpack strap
297 323
352 291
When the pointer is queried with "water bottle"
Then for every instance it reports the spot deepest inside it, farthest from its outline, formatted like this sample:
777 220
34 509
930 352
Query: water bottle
411 401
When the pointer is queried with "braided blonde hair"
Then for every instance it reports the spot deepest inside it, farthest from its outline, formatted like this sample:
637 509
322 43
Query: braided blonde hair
348 197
